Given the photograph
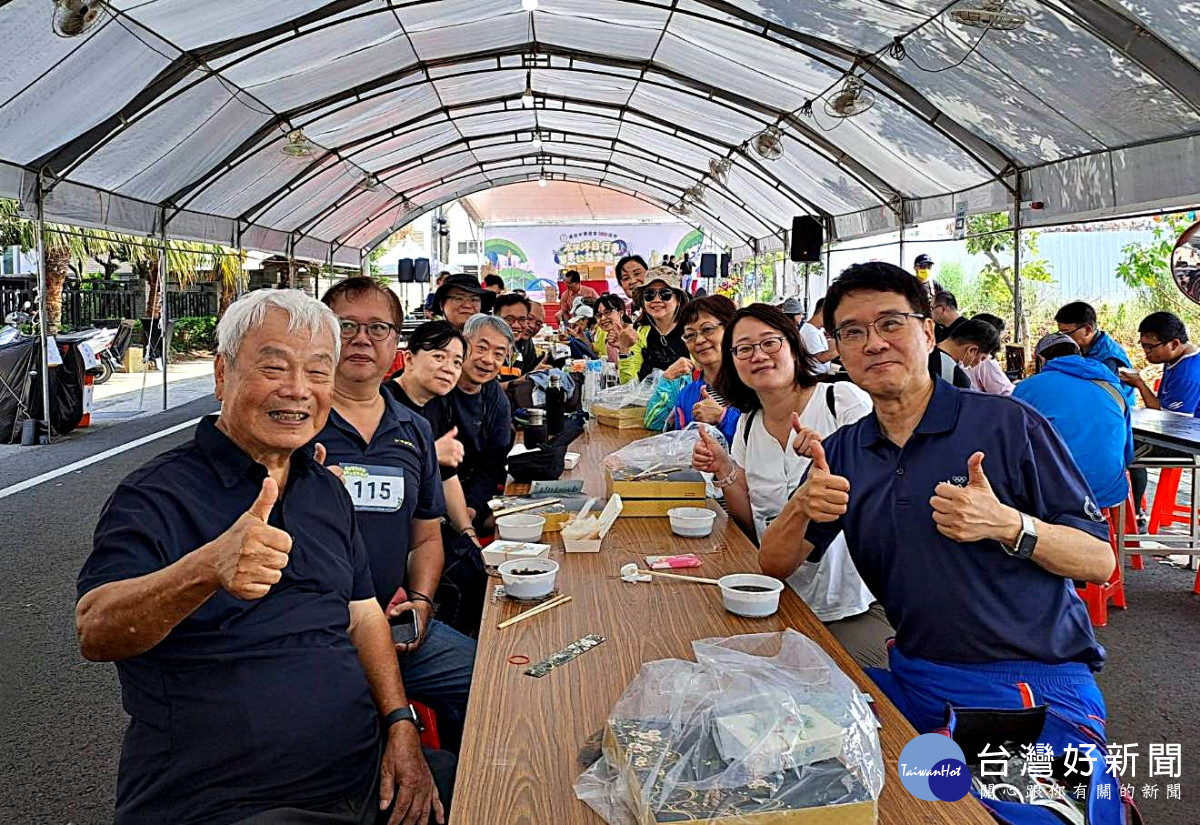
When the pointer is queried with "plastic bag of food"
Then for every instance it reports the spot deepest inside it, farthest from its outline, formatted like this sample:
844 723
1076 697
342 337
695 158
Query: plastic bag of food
633 394
759 723
665 453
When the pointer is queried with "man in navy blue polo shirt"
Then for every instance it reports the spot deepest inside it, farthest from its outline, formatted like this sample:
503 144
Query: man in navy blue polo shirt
229 583
389 465
967 519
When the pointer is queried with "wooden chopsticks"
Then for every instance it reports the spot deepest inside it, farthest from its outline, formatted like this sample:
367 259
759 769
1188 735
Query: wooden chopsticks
541 608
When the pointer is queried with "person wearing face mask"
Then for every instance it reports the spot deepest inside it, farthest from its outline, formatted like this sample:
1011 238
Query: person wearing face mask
378 445
923 267
483 416
655 342
432 366
969 343
769 376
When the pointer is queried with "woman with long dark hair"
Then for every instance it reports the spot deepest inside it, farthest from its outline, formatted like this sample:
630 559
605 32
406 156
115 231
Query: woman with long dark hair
769 376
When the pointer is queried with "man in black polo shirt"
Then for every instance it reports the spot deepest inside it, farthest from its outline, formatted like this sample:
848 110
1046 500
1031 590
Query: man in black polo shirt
483 415
229 582
388 462
517 312
946 317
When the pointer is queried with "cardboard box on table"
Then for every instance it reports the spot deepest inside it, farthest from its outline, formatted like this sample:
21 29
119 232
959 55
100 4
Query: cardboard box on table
683 488
620 418
608 517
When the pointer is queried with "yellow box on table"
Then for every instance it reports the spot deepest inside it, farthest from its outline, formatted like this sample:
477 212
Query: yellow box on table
620 418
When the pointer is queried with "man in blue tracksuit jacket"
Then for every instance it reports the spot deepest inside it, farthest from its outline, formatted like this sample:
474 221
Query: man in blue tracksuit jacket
1083 401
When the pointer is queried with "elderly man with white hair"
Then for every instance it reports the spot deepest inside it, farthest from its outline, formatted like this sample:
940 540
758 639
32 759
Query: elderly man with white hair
230 585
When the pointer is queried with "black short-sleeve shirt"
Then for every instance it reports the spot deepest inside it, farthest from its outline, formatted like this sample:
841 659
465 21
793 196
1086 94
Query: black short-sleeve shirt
245 705
437 412
392 481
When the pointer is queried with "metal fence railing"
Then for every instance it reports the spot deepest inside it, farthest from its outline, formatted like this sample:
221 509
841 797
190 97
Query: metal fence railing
81 308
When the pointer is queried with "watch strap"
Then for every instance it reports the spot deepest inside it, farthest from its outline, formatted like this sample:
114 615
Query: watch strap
402 714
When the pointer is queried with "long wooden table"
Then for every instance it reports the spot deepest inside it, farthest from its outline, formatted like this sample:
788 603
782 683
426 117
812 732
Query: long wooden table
524 737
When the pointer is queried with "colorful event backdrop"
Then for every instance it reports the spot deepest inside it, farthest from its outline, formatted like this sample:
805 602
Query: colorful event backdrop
524 254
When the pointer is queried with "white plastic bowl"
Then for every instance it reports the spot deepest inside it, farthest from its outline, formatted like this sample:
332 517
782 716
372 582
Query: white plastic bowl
521 527
691 522
753 604
534 586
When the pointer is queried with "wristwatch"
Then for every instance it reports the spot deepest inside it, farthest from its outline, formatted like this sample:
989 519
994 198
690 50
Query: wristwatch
1026 539
405 714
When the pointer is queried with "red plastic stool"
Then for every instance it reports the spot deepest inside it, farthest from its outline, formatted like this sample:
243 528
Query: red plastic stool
1097 596
429 736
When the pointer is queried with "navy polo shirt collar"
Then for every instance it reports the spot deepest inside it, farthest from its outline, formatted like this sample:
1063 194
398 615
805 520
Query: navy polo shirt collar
394 414
941 415
230 462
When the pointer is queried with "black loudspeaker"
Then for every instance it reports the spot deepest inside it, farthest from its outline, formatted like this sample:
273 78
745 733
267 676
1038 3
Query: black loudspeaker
708 265
405 272
726 258
421 270
807 237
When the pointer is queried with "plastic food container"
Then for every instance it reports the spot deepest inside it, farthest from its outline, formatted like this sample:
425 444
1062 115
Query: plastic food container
750 594
521 527
691 522
529 578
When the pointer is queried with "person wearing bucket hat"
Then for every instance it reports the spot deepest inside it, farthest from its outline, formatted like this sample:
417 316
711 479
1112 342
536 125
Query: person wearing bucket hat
457 299
656 339
794 309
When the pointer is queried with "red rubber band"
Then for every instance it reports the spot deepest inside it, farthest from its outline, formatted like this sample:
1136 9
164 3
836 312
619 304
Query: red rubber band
518 659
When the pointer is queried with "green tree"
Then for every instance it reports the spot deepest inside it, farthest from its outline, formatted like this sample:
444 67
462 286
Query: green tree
991 235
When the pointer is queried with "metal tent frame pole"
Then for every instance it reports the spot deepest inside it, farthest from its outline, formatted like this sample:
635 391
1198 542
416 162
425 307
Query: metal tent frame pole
1018 298
43 314
164 311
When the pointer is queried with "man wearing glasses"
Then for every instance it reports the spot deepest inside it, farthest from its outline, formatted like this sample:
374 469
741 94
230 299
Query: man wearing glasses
967 518
1078 320
1164 340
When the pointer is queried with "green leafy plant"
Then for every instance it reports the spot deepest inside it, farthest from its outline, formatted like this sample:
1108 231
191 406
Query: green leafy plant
195 334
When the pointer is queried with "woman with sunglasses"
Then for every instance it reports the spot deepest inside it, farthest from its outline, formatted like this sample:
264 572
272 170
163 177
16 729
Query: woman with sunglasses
703 321
659 342
768 375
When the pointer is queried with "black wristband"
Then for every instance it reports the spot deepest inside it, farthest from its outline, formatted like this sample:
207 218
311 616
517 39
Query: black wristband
404 714
414 596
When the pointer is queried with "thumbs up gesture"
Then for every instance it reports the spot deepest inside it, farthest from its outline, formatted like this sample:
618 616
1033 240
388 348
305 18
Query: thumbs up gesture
823 496
250 556
973 513
708 456
707 409
449 449
805 437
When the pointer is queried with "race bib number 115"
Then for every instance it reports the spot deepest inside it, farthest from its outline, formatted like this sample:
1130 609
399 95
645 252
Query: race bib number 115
374 489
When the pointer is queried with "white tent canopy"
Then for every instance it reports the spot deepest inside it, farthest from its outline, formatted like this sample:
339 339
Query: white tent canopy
170 115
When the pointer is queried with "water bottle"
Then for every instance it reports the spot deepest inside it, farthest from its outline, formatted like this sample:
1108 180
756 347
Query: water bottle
556 406
592 375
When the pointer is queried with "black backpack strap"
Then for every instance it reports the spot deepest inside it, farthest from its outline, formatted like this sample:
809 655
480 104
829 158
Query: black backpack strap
749 419
831 400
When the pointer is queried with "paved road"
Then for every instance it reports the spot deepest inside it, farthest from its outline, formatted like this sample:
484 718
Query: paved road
60 717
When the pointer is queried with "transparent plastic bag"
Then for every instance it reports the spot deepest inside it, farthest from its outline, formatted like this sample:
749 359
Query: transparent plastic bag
764 722
665 453
633 394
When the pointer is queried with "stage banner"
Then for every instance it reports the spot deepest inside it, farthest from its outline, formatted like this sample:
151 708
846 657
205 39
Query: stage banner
529 257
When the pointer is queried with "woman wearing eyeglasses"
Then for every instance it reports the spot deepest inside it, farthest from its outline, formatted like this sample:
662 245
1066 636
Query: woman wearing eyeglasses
658 342
611 318
768 375
694 397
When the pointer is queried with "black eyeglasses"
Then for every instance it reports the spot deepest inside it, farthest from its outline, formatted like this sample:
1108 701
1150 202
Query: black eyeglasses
1150 347
769 346
889 327
376 330
664 294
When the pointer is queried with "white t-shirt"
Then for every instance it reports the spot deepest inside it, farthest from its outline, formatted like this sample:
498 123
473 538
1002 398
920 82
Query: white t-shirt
831 587
816 343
